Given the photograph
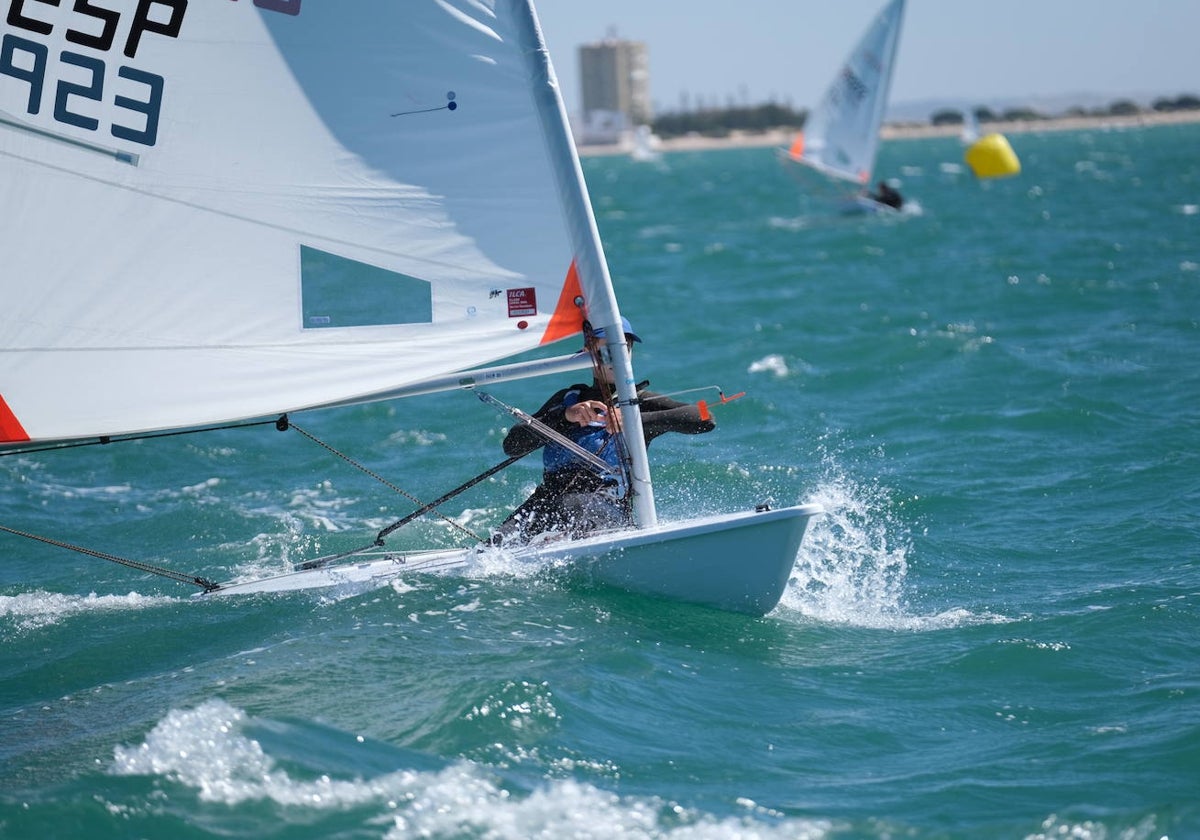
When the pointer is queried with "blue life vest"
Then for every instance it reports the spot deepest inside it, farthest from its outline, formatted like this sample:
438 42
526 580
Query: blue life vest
595 439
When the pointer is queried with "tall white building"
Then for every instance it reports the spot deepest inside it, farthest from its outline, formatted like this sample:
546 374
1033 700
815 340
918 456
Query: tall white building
615 86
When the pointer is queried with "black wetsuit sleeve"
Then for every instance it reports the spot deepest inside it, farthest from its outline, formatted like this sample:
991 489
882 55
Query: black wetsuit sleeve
662 414
659 415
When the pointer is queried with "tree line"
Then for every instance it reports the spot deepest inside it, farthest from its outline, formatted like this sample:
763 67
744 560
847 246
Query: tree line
1119 108
720 122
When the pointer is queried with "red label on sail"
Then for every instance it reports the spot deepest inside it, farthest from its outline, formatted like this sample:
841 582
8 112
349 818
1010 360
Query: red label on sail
522 303
11 430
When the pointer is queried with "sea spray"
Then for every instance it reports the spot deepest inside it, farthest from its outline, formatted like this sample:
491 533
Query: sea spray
210 751
853 563
34 610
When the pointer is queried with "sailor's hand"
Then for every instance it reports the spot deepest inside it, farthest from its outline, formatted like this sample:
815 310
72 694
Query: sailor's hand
587 412
594 412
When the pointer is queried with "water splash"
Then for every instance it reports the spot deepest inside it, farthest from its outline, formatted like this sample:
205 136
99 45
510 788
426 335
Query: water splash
34 610
773 363
853 565
207 749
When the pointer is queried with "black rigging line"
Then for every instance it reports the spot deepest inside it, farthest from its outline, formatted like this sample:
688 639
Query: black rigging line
105 440
282 424
204 583
207 585
385 483
592 344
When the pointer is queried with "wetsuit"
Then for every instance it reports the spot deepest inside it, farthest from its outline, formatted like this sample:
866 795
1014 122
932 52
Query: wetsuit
889 196
572 496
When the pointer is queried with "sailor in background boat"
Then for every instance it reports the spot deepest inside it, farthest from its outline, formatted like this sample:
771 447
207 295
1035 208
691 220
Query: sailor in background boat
888 195
571 497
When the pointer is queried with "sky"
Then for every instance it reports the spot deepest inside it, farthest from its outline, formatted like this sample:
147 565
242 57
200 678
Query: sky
966 52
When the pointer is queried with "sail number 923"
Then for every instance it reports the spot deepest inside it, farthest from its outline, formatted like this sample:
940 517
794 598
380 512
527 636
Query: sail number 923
80 84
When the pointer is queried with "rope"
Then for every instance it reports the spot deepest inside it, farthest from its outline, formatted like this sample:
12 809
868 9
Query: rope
382 481
404 520
204 583
282 424
105 440
608 397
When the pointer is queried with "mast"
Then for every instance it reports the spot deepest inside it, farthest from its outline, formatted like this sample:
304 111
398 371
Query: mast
603 311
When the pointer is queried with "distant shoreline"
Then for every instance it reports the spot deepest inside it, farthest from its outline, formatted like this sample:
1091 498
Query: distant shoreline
912 131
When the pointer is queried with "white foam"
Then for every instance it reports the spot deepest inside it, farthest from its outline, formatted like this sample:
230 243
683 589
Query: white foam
853 564
32 610
205 749
773 363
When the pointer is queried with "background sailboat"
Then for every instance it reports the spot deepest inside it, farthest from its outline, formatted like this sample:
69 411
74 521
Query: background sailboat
834 155
645 145
256 210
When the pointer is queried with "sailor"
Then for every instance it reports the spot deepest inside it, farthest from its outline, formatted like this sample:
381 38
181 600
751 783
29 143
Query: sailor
572 498
885 193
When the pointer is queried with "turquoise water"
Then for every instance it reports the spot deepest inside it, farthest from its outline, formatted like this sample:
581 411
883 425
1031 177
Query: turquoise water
992 633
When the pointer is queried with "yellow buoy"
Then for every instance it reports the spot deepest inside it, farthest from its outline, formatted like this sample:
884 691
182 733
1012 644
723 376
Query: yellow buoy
992 157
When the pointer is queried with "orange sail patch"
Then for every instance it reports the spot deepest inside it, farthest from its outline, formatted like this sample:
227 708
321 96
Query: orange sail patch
567 318
11 430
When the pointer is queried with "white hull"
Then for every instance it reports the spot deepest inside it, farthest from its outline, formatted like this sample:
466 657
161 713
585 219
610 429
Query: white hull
865 204
738 562
848 197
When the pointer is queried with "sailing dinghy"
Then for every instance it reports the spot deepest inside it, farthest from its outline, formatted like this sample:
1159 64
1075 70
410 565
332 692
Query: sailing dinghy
833 157
225 212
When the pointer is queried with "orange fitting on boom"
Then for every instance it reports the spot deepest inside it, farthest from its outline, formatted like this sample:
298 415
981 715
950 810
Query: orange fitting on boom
703 406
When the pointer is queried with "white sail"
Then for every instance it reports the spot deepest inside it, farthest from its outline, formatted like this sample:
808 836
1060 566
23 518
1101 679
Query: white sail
231 210
970 129
221 210
841 134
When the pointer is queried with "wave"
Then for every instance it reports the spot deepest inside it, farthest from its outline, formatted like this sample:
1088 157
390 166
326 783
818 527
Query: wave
209 749
853 565
34 610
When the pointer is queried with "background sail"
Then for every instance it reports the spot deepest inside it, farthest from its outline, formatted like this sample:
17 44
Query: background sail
841 134
249 209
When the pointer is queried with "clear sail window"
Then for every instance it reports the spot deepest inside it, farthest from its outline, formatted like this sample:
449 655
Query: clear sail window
340 292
